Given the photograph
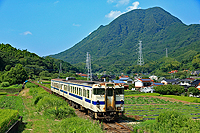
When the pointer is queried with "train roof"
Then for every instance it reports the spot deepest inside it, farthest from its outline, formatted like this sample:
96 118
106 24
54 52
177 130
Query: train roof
79 81
90 83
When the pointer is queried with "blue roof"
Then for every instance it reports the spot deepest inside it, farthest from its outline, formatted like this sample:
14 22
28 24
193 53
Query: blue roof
158 83
118 81
122 79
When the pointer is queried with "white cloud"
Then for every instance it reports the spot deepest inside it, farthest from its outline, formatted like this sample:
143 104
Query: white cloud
119 2
77 25
56 2
26 33
122 2
134 6
113 14
110 1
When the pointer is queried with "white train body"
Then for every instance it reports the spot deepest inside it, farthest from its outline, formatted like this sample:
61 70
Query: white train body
102 100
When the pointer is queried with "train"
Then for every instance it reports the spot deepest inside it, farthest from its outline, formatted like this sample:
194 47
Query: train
100 100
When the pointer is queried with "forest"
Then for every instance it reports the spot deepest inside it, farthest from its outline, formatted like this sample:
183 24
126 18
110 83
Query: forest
18 65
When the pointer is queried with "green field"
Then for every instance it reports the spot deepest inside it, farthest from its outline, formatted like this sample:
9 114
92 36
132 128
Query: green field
150 108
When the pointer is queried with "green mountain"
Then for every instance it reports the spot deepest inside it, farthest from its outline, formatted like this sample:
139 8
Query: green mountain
33 64
114 47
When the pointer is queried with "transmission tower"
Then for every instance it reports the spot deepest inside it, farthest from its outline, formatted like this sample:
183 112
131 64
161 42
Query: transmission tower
140 56
60 70
88 66
166 53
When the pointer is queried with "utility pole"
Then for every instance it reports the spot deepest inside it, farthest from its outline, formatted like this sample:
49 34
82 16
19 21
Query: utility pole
140 56
88 66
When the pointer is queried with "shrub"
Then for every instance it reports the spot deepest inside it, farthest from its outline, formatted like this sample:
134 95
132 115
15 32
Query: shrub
5 84
76 125
7 118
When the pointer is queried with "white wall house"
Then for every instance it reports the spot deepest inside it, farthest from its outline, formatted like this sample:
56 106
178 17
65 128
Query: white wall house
141 83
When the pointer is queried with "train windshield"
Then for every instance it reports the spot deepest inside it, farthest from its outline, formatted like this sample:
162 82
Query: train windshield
119 91
99 91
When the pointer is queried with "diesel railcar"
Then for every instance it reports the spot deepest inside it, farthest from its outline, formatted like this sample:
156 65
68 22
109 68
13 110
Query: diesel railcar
101 100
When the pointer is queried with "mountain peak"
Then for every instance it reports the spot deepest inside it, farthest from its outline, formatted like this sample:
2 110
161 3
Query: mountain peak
117 42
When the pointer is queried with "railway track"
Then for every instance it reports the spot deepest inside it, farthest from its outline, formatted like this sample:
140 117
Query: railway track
116 127
109 127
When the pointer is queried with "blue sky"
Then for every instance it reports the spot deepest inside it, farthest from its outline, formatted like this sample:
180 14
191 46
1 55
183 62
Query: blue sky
48 27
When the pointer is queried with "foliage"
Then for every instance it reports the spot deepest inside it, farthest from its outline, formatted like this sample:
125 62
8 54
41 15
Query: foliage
194 91
12 102
53 107
7 118
32 63
5 84
77 126
16 75
169 89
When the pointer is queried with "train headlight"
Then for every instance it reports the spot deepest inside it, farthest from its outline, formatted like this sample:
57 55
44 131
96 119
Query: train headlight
99 85
118 108
120 85
122 102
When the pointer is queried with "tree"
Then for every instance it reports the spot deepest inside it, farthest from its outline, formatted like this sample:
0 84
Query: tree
169 89
194 91
16 75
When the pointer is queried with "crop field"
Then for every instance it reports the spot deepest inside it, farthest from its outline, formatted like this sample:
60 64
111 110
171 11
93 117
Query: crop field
148 108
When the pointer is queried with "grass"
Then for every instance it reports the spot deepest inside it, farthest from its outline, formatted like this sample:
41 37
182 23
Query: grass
183 98
37 115
141 94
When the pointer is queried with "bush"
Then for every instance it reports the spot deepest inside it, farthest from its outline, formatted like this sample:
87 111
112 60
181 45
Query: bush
31 85
7 118
5 84
76 125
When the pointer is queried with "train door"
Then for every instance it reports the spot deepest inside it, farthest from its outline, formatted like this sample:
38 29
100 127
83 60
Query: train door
110 97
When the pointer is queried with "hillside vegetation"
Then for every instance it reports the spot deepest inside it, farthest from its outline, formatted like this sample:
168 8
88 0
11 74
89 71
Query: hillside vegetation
114 47
18 65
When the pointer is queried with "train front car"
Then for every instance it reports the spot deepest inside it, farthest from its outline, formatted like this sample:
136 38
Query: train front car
108 101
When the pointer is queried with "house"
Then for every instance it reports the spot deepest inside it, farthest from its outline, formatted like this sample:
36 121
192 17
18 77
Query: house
195 83
186 82
141 83
110 77
170 81
195 73
153 77
126 80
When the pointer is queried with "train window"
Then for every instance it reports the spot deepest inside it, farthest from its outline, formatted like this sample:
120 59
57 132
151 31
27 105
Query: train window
68 87
119 91
71 89
110 92
98 91
74 90
84 92
88 93
65 87
80 91
56 85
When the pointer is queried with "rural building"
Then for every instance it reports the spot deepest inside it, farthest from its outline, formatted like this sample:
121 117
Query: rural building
126 80
141 83
153 77
170 81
